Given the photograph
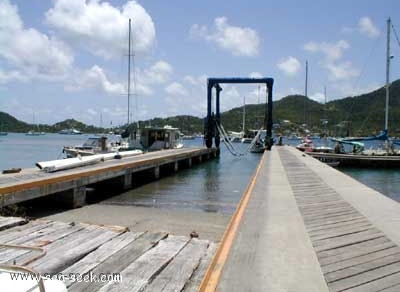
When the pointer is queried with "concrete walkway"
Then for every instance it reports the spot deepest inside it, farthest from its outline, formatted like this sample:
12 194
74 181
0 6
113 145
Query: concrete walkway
272 251
309 227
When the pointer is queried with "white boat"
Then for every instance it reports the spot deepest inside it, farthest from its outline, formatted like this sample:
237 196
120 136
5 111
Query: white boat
96 145
236 136
159 138
70 131
35 132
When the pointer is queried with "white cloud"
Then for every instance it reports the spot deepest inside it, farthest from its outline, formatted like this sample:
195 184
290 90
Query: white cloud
92 112
95 78
160 72
289 66
367 27
29 52
255 75
346 88
239 41
342 70
176 88
102 28
331 51
317 96
8 76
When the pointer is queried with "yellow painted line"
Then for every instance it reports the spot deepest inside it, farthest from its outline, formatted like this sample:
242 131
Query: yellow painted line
214 270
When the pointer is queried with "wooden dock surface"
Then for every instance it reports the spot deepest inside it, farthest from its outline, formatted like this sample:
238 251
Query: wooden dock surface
145 261
34 183
308 227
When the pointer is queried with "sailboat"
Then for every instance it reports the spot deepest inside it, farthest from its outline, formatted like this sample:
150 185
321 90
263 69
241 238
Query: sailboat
238 136
374 157
33 132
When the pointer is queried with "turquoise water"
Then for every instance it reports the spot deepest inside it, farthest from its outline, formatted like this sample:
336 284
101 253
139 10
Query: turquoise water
213 186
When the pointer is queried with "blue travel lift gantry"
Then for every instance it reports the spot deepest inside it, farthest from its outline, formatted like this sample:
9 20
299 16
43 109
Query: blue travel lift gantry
213 118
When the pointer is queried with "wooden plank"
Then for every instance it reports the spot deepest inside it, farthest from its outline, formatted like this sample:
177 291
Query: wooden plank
8 222
45 240
7 254
195 281
138 275
368 276
334 221
318 211
324 206
364 267
341 232
65 252
180 269
325 217
98 256
120 260
354 261
395 288
347 224
363 247
15 232
320 204
327 244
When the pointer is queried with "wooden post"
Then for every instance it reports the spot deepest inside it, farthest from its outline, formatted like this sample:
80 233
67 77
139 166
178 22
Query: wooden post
176 166
157 172
74 198
189 161
200 158
127 184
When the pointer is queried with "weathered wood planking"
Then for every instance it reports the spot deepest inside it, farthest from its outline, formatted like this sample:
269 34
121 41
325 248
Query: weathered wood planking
8 222
140 273
119 261
194 283
68 252
180 269
352 253
45 240
95 258
165 263
16 232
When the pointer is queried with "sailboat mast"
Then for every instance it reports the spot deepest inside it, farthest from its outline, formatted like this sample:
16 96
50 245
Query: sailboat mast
306 94
387 74
244 113
129 70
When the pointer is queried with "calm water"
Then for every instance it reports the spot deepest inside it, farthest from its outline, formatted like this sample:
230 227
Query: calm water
214 186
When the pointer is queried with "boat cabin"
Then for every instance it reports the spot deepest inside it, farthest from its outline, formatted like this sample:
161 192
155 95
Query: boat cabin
157 138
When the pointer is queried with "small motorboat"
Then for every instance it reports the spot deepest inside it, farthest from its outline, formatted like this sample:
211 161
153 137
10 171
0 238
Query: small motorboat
95 145
306 145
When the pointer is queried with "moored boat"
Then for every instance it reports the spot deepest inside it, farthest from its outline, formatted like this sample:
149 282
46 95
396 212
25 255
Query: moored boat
70 131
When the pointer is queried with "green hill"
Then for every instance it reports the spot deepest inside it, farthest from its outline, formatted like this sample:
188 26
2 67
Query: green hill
358 115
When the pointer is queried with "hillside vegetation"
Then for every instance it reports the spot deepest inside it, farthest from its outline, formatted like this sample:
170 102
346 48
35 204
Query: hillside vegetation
358 115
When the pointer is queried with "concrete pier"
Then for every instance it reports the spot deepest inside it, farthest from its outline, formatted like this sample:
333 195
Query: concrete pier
304 226
70 185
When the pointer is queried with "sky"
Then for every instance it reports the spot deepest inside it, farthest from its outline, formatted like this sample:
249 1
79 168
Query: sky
64 59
